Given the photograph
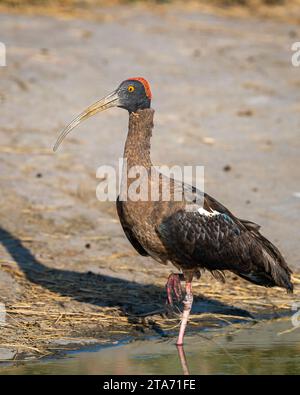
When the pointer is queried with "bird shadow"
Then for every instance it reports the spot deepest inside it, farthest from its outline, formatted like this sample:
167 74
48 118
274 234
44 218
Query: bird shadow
101 290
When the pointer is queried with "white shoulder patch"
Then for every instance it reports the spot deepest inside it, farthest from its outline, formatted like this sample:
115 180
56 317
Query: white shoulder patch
202 211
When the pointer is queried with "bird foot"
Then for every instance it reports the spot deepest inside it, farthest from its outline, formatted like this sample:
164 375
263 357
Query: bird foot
173 287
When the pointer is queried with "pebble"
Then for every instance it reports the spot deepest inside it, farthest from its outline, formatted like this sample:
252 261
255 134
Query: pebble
7 354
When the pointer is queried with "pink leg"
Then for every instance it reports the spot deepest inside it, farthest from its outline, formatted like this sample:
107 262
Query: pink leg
173 286
187 306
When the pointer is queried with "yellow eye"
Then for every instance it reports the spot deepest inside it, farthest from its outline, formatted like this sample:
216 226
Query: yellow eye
130 88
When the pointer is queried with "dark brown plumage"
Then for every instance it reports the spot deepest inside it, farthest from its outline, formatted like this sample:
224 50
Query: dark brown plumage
190 235
190 240
212 239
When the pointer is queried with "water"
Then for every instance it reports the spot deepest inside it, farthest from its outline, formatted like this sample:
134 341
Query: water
256 349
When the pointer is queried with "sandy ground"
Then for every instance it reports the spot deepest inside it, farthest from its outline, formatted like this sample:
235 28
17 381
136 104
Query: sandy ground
226 96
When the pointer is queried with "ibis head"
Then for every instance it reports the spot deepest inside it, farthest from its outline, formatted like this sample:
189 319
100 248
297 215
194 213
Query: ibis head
132 95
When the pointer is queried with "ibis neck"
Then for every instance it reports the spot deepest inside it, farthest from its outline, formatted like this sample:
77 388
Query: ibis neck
137 146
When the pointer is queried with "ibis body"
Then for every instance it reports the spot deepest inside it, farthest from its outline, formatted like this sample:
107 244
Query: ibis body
192 236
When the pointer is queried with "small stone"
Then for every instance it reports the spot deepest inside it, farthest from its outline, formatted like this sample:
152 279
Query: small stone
227 168
86 34
88 245
251 59
208 140
7 353
245 113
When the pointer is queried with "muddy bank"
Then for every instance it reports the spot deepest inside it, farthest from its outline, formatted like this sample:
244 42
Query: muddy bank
68 276
263 348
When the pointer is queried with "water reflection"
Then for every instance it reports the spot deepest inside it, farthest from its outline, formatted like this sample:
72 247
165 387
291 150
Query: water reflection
183 361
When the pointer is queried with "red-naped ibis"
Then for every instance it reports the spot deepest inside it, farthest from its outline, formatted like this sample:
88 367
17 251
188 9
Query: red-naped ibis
210 237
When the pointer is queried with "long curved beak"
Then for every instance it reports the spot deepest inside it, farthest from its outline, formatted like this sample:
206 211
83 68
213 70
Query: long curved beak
111 100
